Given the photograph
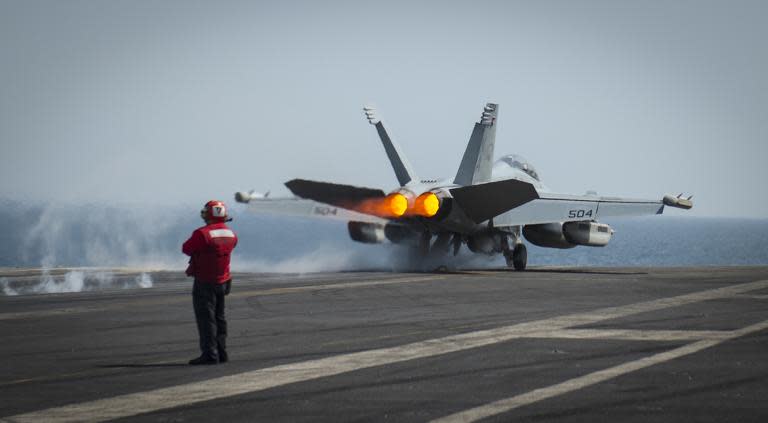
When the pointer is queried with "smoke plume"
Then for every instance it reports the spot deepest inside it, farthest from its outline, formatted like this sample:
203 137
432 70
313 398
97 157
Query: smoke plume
78 280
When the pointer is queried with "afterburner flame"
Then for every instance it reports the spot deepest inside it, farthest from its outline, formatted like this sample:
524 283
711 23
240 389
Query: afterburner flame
397 204
426 205
393 205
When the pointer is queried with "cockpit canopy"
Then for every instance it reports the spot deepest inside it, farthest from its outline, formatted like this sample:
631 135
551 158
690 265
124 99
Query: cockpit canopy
521 163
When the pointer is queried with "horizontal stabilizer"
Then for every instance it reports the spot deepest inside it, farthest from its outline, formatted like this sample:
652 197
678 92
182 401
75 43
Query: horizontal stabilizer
334 194
300 207
485 201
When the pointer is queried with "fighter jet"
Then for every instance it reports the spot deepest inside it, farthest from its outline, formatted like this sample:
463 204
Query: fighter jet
489 206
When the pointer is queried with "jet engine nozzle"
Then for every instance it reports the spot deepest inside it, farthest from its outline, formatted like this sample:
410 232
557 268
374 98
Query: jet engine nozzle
427 204
392 206
396 204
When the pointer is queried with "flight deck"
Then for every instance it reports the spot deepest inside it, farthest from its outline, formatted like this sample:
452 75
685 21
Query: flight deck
491 345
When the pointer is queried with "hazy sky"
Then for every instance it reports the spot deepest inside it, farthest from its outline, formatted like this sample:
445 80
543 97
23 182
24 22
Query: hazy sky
166 102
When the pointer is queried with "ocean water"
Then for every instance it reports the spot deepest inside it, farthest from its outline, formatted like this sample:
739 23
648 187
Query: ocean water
669 241
95 235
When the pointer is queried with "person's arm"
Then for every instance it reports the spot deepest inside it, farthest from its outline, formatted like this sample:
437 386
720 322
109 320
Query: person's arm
194 244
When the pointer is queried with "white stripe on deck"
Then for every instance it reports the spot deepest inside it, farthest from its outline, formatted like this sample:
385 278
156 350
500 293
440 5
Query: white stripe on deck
632 334
262 379
509 404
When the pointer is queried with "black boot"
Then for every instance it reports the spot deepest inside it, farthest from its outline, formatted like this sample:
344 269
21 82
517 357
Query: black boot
223 356
203 360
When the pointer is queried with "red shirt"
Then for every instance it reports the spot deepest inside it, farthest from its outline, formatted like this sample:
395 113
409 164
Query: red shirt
210 247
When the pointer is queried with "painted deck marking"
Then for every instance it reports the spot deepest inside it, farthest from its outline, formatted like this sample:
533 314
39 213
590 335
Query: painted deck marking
509 404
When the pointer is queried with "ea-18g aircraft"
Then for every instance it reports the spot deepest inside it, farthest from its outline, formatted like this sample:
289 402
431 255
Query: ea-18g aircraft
489 206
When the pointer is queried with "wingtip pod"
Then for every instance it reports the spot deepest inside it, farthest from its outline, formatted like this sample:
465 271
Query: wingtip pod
679 202
247 197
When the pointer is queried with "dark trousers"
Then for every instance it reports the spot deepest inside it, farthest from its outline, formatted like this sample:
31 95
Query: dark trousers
208 301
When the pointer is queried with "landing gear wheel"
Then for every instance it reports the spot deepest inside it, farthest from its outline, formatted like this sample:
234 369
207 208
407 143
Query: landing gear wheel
519 257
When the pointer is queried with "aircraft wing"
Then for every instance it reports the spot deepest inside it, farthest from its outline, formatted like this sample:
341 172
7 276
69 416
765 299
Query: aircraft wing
550 208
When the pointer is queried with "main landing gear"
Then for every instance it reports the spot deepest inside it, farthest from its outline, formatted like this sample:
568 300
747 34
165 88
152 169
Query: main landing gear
431 256
518 257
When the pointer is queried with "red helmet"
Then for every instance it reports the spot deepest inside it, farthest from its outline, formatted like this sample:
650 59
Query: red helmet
214 211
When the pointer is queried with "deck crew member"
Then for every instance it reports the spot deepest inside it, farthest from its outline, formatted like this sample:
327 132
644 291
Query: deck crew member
209 249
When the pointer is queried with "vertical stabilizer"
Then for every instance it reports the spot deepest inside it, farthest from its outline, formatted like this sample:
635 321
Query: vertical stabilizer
400 164
475 167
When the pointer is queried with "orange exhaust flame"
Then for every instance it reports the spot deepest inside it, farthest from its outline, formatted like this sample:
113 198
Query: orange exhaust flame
396 205
426 205
393 205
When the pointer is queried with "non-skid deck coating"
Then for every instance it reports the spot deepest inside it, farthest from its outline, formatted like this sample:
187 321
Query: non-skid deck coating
554 344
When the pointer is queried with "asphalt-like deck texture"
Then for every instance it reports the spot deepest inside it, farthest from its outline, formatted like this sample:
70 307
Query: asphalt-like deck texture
93 351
